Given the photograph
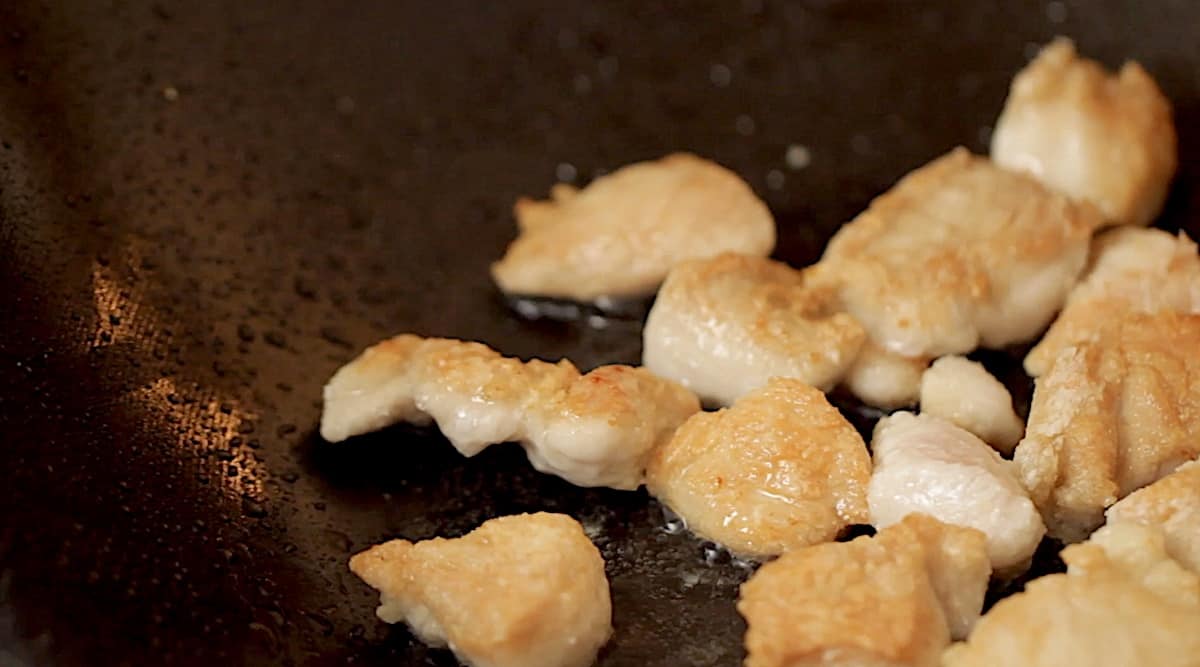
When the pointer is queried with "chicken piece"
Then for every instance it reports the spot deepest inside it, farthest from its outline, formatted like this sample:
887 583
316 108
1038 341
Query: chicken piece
620 236
779 470
1171 504
892 600
1110 416
1132 270
592 430
925 464
964 393
960 252
1094 136
723 326
519 591
1122 602
883 379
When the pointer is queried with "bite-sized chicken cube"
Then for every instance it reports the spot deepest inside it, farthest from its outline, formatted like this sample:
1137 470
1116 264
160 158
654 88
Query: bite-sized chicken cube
780 469
1132 270
927 465
892 600
596 429
1108 139
963 392
518 591
959 253
619 236
1110 416
884 379
1171 504
724 326
1123 601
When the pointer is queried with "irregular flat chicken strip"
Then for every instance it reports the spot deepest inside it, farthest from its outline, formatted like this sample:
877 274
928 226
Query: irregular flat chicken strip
959 252
1171 504
964 393
927 465
1106 139
620 236
1110 416
519 591
1122 602
593 430
779 470
1132 270
892 600
723 326
884 379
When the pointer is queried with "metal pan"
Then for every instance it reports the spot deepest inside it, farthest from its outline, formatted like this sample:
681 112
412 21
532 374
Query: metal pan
206 208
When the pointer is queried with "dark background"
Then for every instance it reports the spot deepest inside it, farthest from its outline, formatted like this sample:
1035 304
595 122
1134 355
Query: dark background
206 208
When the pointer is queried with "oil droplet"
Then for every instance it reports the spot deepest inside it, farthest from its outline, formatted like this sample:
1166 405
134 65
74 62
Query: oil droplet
744 125
715 554
797 157
720 75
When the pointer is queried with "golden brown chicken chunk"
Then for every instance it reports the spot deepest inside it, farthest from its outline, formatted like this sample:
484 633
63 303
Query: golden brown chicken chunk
1171 504
1094 136
1122 602
519 591
958 253
779 470
1132 270
596 429
1112 415
893 600
620 236
723 326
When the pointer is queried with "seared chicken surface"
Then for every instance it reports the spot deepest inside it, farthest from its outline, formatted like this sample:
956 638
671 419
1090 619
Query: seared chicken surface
925 464
1132 270
1108 139
619 236
1123 601
518 591
959 253
780 469
596 429
964 393
892 600
1110 416
724 326
1171 504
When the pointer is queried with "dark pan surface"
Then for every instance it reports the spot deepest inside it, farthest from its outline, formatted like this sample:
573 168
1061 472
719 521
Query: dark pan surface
205 209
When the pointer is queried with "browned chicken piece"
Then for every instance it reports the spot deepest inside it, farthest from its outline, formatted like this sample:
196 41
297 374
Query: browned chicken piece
519 591
1108 139
959 253
780 469
1132 270
619 236
966 394
884 379
893 600
596 429
724 326
1171 504
1111 416
1123 601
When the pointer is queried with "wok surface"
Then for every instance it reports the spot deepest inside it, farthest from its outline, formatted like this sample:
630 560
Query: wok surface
206 209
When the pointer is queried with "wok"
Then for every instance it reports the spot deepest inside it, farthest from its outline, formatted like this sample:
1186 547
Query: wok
206 208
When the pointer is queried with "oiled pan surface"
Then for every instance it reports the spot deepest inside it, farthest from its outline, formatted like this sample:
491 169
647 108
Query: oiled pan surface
207 208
